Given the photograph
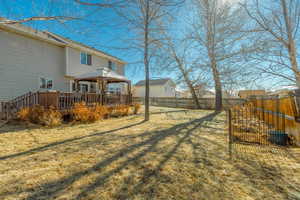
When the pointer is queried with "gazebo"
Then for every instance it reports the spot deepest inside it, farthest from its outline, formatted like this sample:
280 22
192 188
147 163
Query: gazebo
103 77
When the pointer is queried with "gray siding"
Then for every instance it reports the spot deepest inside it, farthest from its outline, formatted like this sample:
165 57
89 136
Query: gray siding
23 61
74 67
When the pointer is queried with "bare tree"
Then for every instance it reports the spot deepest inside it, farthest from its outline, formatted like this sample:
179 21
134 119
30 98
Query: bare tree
62 15
217 28
177 59
276 24
144 22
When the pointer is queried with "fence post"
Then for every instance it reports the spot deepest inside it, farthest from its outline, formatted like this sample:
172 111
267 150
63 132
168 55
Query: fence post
230 133
277 114
263 109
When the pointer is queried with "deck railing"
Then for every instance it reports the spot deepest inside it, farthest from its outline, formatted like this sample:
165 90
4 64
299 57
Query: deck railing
60 100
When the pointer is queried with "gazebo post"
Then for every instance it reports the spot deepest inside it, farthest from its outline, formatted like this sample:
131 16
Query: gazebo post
77 86
98 89
129 92
104 91
101 88
98 86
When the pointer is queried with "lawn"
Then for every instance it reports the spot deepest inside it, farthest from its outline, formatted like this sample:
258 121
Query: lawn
178 154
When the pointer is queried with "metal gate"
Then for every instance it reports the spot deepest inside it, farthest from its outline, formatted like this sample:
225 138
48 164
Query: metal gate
264 121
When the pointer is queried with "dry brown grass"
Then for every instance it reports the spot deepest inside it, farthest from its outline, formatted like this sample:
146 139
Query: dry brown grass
120 111
178 154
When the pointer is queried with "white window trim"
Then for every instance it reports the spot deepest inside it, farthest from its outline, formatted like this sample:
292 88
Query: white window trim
86 58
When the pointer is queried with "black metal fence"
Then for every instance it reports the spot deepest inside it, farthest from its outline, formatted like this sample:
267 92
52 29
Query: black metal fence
264 121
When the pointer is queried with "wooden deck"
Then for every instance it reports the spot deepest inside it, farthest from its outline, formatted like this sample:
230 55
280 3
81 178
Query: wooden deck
60 100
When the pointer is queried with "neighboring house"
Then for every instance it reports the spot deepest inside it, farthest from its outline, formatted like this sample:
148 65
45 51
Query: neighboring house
32 60
158 88
200 90
248 93
180 94
283 91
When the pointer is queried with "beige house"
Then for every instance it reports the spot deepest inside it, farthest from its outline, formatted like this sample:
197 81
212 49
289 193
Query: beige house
158 88
32 60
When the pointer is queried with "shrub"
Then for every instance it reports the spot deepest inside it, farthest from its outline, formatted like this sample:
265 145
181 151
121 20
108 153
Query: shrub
50 117
82 113
23 114
110 111
120 110
125 110
136 108
102 111
36 113
39 115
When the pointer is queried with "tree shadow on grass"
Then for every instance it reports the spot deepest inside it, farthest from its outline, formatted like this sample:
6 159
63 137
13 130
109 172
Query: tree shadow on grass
258 174
54 144
54 188
185 134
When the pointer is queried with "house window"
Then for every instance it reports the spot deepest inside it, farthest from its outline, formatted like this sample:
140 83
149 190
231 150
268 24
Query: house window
85 59
46 83
112 66
49 84
93 87
43 83
84 88
81 86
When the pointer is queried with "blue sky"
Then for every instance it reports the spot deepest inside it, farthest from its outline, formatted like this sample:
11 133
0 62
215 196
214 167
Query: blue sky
99 28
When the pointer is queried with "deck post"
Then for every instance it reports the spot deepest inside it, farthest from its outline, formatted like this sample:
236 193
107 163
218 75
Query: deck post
57 100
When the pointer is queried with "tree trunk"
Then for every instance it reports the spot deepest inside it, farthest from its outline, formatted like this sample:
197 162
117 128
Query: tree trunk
189 84
291 43
218 88
211 44
146 62
194 96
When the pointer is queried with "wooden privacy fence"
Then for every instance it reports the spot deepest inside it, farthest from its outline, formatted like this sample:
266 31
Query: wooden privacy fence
59 100
205 103
262 118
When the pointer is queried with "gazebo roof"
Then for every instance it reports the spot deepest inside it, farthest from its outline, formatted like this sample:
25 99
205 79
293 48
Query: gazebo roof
102 74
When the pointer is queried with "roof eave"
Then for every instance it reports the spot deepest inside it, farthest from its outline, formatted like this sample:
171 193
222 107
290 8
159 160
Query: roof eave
38 35
28 32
